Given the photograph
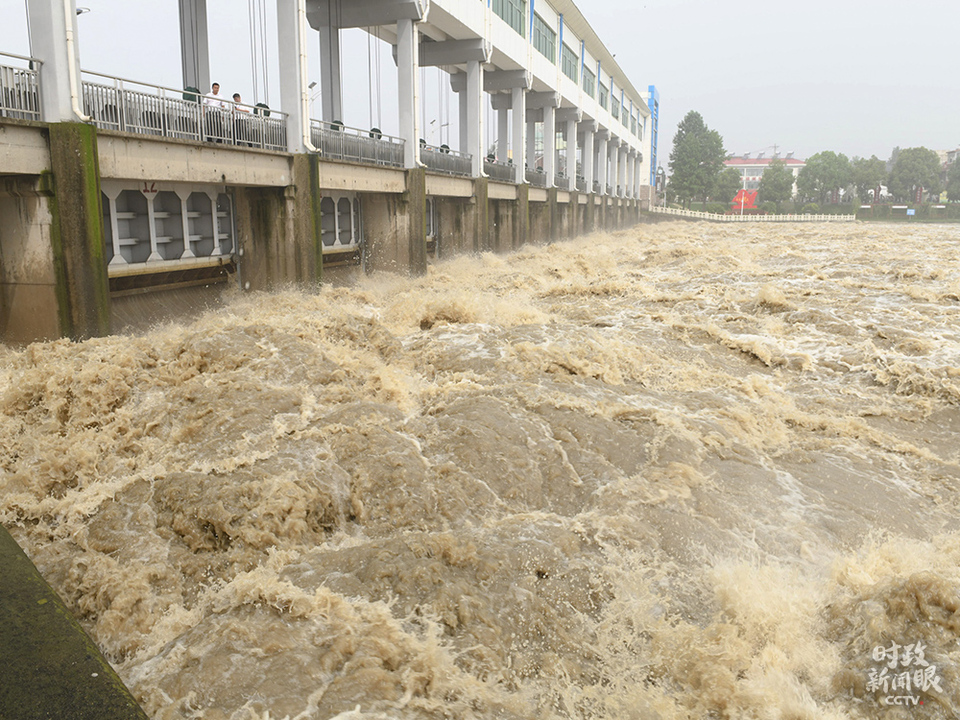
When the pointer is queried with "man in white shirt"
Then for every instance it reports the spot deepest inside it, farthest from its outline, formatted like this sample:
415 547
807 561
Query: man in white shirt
213 119
241 123
213 98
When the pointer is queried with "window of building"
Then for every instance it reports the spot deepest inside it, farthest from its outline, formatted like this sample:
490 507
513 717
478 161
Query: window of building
603 96
589 82
513 12
569 62
615 109
544 39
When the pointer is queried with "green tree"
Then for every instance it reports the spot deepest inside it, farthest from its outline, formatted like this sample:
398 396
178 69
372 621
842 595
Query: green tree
915 168
696 159
823 174
953 182
776 183
867 174
727 185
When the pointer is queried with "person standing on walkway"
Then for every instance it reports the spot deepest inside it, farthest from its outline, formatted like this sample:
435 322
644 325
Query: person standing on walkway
213 114
241 124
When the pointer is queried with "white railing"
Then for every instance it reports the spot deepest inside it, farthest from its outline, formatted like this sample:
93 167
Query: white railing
714 217
443 159
135 107
499 171
336 141
20 89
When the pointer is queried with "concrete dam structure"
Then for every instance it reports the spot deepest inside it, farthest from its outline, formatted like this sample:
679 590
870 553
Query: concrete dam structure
122 201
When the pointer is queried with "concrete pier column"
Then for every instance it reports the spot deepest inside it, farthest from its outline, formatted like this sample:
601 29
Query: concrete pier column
622 170
408 74
637 174
518 141
395 227
475 116
589 132
291 35
79 255
523 216
194 45
503 135
481 209
464 120
571 154
532 144
283 242
331 94
613 150
602 136
53 37
549 144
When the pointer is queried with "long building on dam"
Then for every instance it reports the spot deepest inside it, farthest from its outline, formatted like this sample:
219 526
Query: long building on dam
121 200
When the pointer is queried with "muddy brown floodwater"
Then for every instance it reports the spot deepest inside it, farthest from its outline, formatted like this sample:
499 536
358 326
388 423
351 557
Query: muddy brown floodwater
680 471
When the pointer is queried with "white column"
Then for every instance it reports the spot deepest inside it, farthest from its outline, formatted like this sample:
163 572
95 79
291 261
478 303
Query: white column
464 120
532 145
503 133
631 167
475 116
602 161
331 94
194 45
637 173
622 170
408 72
613 147
549 143
571 155
518 144
293 95
51 23
588 157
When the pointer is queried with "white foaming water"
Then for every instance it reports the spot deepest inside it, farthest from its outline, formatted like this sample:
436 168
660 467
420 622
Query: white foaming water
681 471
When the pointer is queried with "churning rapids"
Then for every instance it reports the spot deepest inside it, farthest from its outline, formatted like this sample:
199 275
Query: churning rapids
680 471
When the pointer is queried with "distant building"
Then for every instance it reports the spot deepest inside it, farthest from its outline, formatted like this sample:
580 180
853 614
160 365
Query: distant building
751 169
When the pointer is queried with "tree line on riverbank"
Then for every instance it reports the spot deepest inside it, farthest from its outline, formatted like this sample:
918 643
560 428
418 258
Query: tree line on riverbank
697 173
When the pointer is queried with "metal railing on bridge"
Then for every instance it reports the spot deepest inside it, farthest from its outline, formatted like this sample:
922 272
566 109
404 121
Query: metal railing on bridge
336 141
20 88
499 171
750 218
443 159
536 177
135 107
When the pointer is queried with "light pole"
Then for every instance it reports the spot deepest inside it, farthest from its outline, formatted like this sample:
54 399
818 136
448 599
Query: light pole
313 95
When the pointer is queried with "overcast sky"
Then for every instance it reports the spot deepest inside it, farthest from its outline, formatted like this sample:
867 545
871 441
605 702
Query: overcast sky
850 76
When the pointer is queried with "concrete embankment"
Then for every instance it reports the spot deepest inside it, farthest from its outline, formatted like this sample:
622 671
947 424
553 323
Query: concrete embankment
52 670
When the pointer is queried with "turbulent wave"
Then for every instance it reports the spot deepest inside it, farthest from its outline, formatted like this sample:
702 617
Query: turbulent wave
680 471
